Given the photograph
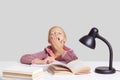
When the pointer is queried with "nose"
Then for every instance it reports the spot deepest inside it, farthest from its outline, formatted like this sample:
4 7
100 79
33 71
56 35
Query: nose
54 32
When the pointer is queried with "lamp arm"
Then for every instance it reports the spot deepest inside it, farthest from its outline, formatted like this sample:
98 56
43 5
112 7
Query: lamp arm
110 50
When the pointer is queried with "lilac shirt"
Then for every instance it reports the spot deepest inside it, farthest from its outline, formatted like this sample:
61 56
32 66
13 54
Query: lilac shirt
68 56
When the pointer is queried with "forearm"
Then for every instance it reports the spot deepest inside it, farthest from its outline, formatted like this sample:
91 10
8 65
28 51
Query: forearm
26 59
69 56
59 53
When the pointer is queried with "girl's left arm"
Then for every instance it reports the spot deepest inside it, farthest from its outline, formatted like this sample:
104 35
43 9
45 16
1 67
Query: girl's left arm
69 56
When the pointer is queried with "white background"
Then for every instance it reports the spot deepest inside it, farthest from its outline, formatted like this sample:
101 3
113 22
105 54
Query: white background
24 26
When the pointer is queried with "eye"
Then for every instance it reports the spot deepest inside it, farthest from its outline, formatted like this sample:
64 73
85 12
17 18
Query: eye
51 34
59 33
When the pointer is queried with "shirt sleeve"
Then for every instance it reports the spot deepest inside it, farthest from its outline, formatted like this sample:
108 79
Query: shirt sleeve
69 56
27 58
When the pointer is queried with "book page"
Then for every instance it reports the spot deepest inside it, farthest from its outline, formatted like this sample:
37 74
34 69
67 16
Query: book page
22 69
58 70
51 70
77 66
45 66
60 67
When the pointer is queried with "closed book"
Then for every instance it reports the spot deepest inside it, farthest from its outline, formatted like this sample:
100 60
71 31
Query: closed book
25 72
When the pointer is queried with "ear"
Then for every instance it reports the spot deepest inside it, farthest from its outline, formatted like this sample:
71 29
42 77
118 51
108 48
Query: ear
49 41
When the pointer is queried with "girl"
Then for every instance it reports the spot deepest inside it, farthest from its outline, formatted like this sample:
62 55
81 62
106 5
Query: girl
55 51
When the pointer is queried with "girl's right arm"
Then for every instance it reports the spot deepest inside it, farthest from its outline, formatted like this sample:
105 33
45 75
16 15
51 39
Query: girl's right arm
28 58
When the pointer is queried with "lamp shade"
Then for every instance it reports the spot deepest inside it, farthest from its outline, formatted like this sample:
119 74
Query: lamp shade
89 41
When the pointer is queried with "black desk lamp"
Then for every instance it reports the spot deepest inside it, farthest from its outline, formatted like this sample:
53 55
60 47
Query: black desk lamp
89 41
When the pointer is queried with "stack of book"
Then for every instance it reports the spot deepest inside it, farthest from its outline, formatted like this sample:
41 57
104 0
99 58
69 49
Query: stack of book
21 72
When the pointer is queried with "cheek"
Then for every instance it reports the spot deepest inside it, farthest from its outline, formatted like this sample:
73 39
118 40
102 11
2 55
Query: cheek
49 40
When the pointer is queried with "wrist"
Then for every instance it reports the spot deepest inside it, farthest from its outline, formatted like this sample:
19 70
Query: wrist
58 54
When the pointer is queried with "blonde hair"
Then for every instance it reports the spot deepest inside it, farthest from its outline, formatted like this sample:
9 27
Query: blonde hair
53 28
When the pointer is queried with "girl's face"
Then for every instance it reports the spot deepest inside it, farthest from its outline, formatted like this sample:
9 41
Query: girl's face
58 32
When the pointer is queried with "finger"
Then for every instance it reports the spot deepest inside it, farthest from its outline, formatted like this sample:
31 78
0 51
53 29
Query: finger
32 62
55 40
62 42
55 37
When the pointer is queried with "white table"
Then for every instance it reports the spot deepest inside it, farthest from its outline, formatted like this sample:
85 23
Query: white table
90 76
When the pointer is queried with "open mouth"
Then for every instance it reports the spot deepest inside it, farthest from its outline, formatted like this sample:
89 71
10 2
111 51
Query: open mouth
58 38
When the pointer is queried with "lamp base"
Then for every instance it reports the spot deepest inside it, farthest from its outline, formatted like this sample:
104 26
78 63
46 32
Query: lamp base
104 70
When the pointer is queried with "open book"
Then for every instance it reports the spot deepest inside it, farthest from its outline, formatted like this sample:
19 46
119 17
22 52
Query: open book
23 72
73 67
